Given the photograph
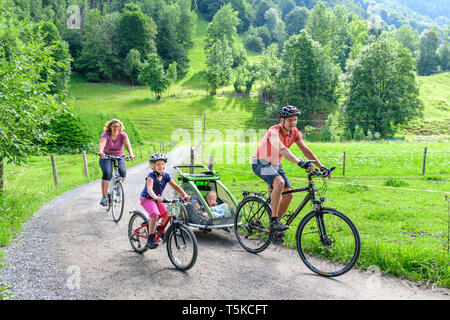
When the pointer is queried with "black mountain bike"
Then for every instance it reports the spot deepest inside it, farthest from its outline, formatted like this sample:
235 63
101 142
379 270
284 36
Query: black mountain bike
327 240
116 195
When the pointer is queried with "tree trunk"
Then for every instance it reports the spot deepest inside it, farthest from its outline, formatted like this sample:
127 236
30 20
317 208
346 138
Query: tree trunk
2 170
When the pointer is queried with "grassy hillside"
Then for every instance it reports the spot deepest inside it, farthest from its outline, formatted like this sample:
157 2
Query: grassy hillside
186 102
435 94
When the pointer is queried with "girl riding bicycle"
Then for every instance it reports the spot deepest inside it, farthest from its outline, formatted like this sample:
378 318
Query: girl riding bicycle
151 198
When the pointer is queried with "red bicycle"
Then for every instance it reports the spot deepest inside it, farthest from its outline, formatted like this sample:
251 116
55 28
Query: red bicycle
181 241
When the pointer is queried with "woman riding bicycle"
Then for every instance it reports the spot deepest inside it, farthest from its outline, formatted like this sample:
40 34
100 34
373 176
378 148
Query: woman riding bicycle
267 161
111 143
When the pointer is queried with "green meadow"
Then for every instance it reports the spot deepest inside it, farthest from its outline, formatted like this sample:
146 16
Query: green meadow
402 215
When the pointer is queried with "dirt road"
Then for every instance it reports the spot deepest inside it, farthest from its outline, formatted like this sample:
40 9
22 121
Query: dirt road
72 249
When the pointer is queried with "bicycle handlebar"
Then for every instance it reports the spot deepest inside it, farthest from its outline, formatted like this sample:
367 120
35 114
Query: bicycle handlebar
127 158
324 174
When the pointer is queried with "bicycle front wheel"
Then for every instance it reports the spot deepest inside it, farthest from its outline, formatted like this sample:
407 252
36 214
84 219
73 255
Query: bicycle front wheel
252 224
336 251
181 247
117 201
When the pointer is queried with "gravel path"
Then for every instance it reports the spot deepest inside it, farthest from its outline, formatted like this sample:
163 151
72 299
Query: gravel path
71 249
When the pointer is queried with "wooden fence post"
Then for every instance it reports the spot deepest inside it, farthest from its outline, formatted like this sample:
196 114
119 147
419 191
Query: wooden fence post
140 150
154 149
192 160
211 163
424 160
55 174
85 164
343 166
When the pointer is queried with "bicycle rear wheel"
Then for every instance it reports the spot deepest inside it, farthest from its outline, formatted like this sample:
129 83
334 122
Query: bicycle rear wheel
138 232
252 224
338 253
181 247
117 200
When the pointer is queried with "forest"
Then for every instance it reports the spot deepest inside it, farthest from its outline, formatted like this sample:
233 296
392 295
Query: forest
354 63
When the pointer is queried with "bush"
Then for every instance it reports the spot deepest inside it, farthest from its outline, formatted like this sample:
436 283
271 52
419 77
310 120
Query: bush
359 134
69 134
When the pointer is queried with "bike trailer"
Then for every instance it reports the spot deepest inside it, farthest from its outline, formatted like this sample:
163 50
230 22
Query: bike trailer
197 212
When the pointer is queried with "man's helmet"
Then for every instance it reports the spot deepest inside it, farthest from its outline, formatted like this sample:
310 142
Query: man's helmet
157 156
288 111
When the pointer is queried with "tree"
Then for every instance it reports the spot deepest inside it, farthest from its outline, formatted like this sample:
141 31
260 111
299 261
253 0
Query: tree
408 37
136 31
26 102
223 26
133 65
96 60
219 62
59 53
296 20
153 75
428 60
307 74
444 51
381 89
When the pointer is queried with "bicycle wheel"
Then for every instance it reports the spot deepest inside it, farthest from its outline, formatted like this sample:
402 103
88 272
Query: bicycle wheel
252 224
117 200
138 232
181 247
335 256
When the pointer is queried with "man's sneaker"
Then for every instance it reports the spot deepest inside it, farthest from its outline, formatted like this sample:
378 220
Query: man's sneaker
151 243
104 201
277 226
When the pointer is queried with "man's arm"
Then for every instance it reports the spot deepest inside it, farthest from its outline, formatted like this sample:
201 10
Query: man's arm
308 153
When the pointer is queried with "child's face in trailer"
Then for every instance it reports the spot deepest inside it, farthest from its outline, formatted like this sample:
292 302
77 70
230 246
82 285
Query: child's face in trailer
160 166
211 200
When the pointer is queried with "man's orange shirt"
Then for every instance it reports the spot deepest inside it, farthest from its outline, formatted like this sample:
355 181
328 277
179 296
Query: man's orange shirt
265 151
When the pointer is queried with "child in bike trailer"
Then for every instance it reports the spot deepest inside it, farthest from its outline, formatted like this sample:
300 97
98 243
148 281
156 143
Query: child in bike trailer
151 198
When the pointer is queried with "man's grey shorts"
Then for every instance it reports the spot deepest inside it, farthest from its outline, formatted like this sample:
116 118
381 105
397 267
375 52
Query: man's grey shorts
267 171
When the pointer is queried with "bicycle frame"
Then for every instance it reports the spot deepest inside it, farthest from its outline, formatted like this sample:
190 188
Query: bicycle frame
173 221
311 196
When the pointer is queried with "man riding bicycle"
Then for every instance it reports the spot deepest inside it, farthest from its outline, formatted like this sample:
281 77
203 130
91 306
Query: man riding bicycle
267 162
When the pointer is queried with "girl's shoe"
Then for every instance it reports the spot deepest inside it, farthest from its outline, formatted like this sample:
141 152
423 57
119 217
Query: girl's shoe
151 242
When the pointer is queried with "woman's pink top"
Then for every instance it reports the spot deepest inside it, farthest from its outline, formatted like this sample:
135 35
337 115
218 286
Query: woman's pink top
114 147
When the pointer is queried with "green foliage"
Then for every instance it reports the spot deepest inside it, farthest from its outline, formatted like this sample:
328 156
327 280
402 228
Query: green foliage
133 65
359 133
307 74
392 182
296 20
26 101
428 60
59 53
223 26
136 31
219 63
153 75
97 58
382 92
69 134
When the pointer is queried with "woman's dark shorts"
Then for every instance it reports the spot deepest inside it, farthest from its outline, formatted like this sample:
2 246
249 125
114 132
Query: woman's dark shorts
267 171
106 166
